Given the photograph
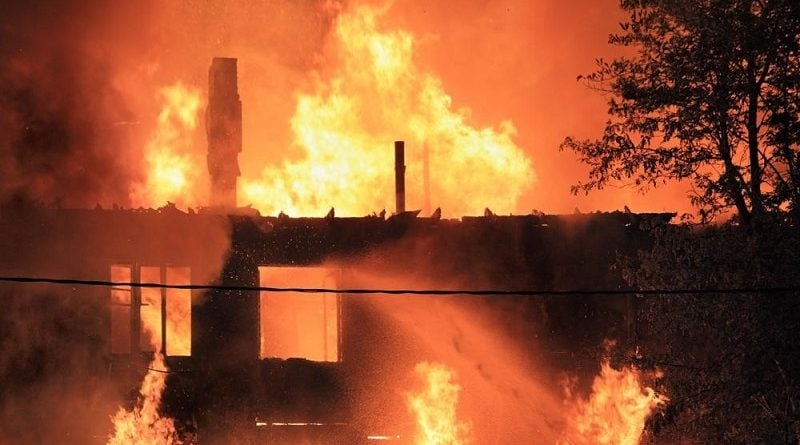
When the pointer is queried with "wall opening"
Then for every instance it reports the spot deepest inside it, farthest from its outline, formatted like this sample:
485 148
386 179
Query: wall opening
147 318
121 310
299 324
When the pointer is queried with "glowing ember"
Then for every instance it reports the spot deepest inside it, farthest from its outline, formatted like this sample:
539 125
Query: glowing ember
346 132
172 167
615 412
435 408
143 425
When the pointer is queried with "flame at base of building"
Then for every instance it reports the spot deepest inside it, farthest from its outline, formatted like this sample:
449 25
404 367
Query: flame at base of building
435 407
143 424
615 412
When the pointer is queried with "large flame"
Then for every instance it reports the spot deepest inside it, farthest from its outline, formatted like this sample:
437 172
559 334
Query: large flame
346 130
435 407
143 424
615 412
173 168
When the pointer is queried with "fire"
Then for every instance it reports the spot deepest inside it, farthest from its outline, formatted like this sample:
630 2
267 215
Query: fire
178 312
346 129
435 407
172 176
143 425
616 410
172 166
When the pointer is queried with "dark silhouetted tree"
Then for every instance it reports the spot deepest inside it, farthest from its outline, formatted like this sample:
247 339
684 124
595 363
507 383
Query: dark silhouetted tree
708 94
731 360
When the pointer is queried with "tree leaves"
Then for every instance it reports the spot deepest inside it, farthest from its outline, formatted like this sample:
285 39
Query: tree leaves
731 360
710 97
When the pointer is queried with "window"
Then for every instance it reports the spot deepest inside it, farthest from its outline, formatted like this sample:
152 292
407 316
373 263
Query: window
299 324
162 316
121 310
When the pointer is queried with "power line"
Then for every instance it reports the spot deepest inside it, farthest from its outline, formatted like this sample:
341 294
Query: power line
441 292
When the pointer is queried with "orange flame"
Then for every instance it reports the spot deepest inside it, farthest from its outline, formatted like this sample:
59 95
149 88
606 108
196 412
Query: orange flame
435 407
143 425
178 311
615 412
347 128
172 167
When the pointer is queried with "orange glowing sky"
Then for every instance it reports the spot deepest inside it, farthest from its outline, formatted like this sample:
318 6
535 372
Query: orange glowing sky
519 60
504 60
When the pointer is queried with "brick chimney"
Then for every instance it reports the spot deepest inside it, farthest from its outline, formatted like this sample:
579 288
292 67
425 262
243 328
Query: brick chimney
224 131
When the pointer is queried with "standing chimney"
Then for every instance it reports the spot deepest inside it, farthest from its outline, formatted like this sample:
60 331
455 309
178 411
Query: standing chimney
400 176
224 131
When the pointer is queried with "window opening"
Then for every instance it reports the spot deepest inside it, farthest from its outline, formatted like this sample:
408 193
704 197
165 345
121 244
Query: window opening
298 324
147 318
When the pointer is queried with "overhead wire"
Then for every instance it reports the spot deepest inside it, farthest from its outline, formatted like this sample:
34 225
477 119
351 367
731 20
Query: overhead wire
384 291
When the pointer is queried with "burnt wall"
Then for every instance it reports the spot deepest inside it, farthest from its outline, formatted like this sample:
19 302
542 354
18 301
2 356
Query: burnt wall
224 375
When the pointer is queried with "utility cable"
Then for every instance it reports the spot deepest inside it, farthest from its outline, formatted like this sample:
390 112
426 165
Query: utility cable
440 292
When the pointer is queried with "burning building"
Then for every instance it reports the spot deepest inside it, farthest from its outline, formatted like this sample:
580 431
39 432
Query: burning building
278 329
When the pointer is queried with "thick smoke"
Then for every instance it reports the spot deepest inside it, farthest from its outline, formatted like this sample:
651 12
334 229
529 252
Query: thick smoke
63 122
49 368
65 138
